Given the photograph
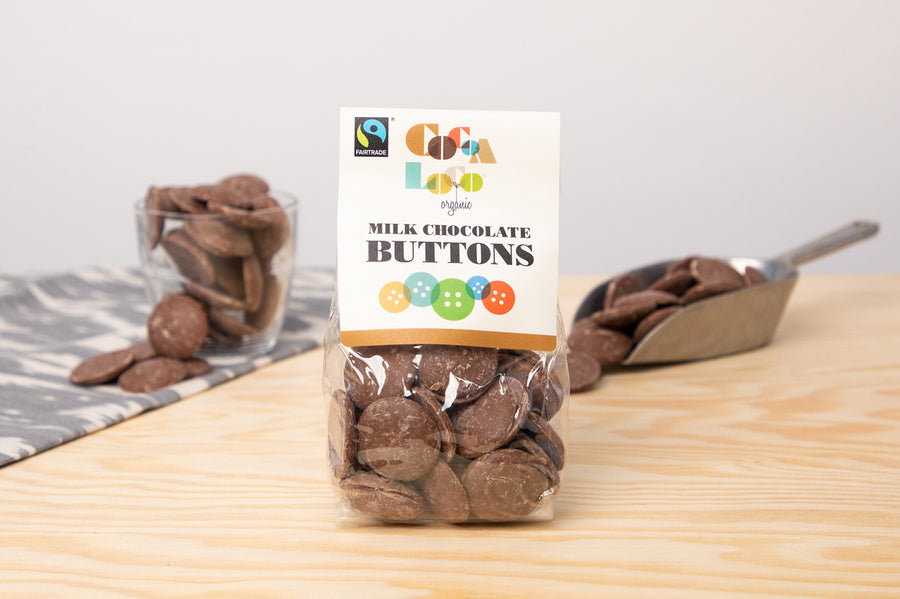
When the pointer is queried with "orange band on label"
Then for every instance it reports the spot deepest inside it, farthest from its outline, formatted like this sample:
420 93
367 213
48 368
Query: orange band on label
448 337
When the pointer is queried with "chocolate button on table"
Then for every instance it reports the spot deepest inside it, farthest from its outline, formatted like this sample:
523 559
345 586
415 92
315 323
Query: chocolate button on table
772 473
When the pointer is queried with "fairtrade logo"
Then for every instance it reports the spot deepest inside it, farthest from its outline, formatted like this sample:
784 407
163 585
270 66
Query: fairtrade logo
371 136
451 299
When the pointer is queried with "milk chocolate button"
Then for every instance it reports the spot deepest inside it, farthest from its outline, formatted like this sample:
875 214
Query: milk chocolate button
166 204
544 392
523 366
623 315
220 238
181 198
101 368
375 372
659 298
239 217
459 465
269 307
676 282
190 260
619 286
462 373
342 434
220 194
229 275
549 400
508 358
398 438
629 309
606 345
444 493
229 325
682 264
249 185
254 283
505 485
584 370
212 297
196 367
649 322
754 276
177 326
709 270
526 442
272 238
142 350
153 202
151 375
547 437
492 420
223 339
381 498
704 290
432 403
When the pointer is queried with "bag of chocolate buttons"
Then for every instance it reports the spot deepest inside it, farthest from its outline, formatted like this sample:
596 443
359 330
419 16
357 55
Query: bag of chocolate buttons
445 366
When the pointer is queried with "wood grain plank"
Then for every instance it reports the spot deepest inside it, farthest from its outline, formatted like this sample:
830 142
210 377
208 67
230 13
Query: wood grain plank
774 473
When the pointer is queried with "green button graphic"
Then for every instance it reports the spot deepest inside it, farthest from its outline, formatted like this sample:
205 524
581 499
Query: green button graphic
452 300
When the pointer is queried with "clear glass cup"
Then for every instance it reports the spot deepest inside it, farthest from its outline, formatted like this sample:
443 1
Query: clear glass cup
238 264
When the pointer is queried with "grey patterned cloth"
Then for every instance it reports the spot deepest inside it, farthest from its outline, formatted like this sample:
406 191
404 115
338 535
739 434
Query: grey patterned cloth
49 324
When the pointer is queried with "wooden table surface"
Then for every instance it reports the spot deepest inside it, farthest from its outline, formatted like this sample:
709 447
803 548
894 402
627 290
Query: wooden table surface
773 473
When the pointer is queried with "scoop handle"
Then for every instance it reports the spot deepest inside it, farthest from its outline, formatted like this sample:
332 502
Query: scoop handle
830 242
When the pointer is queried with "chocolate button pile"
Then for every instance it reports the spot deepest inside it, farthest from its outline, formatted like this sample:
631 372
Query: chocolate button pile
631 311
177 325
446 433
221 239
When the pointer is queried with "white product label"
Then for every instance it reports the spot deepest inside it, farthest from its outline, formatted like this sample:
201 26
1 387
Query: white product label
448 227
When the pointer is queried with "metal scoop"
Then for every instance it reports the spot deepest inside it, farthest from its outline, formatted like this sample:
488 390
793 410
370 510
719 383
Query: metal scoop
731 322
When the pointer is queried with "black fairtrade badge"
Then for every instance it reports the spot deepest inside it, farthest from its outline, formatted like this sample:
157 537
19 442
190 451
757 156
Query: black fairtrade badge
371 136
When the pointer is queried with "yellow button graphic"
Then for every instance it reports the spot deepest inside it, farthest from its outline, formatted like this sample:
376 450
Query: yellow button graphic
392 297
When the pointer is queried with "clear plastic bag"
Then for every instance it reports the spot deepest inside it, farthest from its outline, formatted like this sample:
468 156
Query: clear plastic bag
444 433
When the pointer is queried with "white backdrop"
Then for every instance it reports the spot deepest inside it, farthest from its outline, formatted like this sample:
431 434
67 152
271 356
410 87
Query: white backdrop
713 127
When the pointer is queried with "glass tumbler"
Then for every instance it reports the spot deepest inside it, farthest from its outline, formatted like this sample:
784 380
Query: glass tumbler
236 261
